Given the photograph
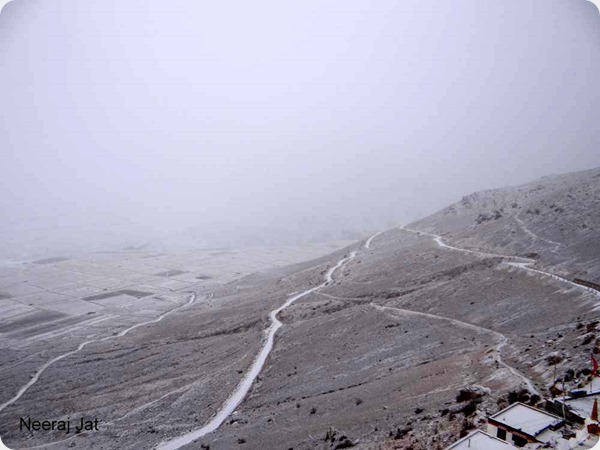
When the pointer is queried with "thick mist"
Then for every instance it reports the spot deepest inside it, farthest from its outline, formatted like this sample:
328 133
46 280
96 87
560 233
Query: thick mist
247 123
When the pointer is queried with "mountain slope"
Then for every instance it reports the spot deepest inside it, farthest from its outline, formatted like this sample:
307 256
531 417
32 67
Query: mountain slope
423 333
383 355
557 217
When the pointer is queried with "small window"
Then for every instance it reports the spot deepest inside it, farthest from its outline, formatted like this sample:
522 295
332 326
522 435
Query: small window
501 434
519 441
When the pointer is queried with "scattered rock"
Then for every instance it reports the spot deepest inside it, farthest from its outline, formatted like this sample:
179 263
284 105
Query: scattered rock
345 443
401 432
467 426
584 372
338 442
553 359
555 391
569 375
522 396
589 338
470 408
472 392
331 434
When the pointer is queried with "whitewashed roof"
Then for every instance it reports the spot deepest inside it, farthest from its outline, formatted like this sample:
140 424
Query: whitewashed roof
582 406
526 418
479 440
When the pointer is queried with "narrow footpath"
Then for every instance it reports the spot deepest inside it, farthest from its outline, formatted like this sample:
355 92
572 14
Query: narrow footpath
81 346
245 384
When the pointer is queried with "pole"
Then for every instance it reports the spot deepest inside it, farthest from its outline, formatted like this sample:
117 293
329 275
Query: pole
563 402
554 381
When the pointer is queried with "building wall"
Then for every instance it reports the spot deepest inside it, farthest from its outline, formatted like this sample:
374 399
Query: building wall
508 437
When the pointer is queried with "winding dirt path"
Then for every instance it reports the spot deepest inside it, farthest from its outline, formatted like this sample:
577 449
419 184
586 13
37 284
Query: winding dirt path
81 346
537 236
440 241
245 384
368 242
525 266
503 340
247 381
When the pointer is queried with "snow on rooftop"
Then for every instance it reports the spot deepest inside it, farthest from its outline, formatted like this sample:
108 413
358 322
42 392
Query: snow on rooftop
582 406
479 440
526 418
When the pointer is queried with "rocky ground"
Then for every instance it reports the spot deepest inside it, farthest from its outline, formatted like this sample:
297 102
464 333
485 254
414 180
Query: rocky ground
410 347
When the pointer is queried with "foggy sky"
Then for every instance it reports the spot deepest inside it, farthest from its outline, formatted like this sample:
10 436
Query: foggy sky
127 120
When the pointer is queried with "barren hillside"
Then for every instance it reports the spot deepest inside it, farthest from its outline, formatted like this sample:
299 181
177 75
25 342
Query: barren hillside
421 333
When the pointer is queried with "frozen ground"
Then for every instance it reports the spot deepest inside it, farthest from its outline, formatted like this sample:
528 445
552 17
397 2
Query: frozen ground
55 296
417 337
53 308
